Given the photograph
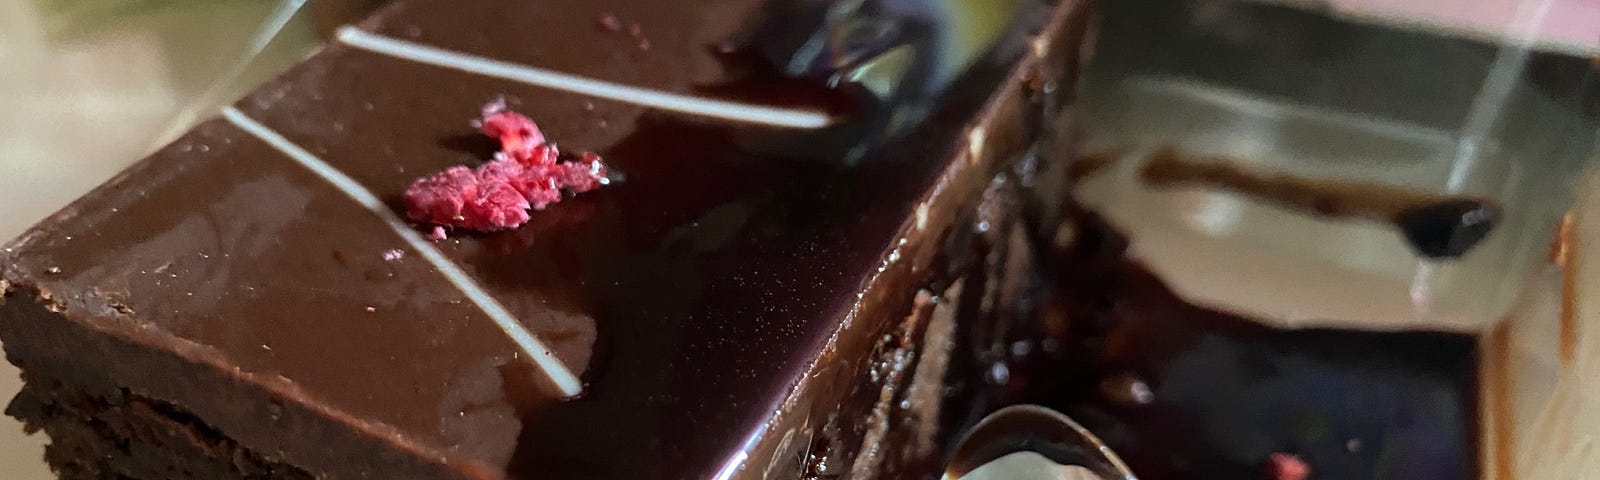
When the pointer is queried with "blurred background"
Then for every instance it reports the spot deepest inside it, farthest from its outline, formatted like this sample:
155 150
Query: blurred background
89 86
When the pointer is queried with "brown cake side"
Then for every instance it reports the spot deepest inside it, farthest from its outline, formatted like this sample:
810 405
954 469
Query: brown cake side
120 434
98 395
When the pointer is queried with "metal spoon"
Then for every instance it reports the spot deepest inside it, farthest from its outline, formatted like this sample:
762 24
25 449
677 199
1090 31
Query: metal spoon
1030 441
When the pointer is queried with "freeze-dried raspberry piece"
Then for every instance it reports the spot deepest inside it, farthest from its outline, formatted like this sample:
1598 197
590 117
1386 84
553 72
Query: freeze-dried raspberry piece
1285 466
532 183
498 207
585 174
527 174
442 198
546 154
518 135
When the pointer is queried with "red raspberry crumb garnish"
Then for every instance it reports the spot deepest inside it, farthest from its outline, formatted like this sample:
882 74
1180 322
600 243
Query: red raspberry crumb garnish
498 207
542 155
610 22
586 174
1287 466
518 135
442 198
527 174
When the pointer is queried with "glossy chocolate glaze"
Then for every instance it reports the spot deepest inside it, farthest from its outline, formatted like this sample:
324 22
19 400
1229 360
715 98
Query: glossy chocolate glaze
1180 391
692 298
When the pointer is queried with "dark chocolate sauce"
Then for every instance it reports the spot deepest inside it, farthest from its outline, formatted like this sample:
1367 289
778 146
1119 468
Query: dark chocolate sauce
1436 226
1184 392
1448 228
856 112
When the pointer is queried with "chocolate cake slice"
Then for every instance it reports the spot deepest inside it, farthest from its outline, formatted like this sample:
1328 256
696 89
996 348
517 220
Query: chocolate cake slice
743 302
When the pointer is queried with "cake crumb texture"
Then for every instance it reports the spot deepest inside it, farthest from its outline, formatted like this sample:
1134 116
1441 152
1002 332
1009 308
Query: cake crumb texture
120 435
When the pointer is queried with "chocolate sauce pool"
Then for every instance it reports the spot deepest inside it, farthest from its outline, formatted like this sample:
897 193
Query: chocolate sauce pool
1437 226
1184 392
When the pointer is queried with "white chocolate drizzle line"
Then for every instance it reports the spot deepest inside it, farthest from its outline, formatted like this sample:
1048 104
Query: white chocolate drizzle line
530 345
740 112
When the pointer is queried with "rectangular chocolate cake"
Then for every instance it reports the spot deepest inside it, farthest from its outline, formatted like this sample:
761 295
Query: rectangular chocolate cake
769 287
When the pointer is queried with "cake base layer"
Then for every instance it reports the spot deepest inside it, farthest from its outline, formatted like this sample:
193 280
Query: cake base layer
103 399
123 435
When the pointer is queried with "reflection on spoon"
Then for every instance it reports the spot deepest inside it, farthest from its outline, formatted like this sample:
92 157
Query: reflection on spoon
1007 441
1029 466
